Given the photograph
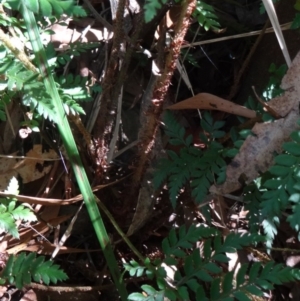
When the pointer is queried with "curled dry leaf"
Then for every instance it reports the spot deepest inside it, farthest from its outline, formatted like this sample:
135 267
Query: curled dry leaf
257 152
208 101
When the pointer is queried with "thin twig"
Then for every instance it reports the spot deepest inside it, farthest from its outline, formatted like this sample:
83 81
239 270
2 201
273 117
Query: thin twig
28 158
67 233
115 136
235 87
285 26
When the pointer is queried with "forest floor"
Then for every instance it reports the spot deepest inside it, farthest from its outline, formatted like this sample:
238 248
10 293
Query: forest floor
211 68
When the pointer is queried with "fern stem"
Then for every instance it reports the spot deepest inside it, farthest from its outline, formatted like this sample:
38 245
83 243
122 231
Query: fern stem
150 127
19 54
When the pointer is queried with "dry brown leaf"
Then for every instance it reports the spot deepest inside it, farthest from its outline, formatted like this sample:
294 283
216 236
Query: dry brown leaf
208 101
25 168
257 153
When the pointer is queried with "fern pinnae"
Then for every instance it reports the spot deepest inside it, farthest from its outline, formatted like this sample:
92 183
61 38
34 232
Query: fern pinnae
22 269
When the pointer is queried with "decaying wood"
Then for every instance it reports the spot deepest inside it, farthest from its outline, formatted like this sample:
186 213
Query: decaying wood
257 153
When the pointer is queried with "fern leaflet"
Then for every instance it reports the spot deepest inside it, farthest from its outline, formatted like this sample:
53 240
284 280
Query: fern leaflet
10 212
21 269
191 163
50 7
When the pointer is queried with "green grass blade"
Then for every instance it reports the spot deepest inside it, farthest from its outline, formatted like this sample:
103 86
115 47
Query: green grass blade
71 148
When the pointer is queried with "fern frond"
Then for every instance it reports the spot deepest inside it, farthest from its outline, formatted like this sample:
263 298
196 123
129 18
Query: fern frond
10 212
50 7
178 169
178 241
209 164
206 16
37 99
134 268
253 199
14 74
258 279
150 294
175 131
7 223
281 188
151 7
75 49
191 163
164 168
21 269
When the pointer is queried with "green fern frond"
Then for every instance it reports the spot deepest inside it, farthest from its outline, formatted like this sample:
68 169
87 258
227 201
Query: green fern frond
258 279
253 199
175 131
14 74
151 294
21 269
10 212
71 106
191 163
49 7
293 219
184 238
7 223
281 189
206 16
273 89
178 169
151 7
201 276
236 241
164 168
37 99
134 268
208 165
75 49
